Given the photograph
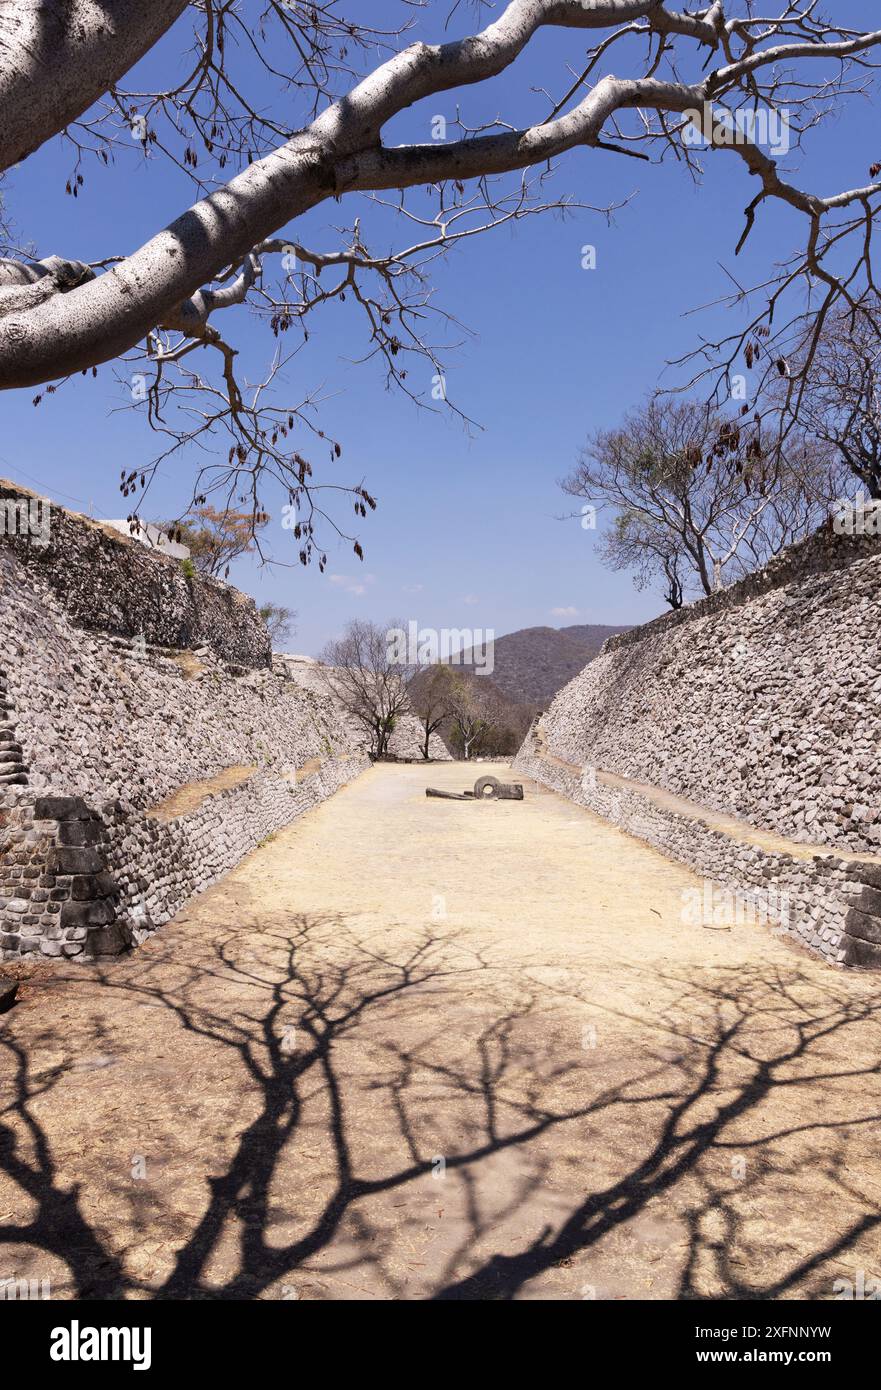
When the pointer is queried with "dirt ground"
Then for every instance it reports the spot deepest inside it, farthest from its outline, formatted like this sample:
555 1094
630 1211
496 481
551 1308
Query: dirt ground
426 1049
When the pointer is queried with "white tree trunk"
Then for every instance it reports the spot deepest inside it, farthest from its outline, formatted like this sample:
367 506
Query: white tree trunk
57 57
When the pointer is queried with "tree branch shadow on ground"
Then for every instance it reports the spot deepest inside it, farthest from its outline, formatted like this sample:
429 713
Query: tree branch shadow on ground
765 1034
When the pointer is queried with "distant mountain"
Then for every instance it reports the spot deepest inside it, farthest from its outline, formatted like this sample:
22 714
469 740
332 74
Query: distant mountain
532 664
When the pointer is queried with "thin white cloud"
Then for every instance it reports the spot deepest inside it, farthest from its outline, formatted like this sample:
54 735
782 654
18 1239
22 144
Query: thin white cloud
413 588
471 599
350 585
569 612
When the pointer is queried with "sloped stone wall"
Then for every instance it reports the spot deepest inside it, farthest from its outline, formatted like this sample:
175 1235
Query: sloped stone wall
828 902
98 730
763 701
104 718
147 740
106 582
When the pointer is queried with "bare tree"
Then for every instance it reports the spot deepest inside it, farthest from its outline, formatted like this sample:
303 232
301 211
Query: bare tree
843 404
363 672
697 498
479 717
431 692
278 112
280 622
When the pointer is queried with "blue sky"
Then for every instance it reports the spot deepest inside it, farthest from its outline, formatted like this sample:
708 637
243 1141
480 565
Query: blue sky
467 530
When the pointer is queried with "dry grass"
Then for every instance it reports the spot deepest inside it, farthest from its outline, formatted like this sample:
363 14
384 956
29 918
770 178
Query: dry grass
190 796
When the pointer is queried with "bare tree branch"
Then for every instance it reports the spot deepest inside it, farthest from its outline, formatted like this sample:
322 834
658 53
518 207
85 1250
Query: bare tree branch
322 138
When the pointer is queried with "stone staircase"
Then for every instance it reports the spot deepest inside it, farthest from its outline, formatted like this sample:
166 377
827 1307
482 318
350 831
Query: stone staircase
13 770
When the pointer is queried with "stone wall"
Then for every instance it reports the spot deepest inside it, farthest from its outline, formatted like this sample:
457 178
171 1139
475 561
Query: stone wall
134 772
827 902
761 704
57 892
111 584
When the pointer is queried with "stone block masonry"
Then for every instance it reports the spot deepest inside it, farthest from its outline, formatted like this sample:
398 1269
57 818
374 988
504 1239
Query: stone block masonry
13 771
110 584
827 902
55 890
862 924
147 742
740 735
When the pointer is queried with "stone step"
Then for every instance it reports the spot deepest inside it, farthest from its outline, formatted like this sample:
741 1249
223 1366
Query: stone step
17 779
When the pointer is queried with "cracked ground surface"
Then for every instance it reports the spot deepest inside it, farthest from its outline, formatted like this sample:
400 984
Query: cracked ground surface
424 1049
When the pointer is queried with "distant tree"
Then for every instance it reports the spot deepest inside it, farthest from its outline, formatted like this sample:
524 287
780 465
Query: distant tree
280 621
216 538
363 672
468 727
699 499
478 722
431 696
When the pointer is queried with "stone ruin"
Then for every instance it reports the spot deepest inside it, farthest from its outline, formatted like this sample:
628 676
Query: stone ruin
148 738
741 736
